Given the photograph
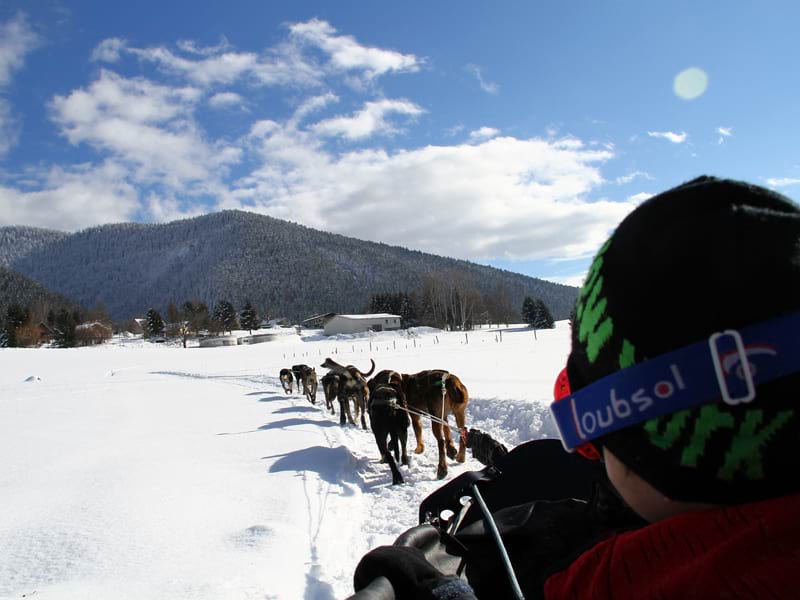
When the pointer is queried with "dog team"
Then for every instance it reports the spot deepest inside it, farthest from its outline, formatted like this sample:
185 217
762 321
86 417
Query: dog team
392 400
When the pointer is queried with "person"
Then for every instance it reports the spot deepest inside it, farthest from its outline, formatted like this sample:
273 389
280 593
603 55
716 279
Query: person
684 379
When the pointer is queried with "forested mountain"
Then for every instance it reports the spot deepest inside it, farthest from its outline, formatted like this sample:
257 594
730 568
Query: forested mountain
16 242
284 269
18 289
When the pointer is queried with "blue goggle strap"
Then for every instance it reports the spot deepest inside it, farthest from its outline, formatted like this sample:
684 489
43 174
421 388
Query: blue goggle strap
726 367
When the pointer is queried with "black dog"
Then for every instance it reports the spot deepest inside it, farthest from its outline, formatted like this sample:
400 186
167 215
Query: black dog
389 419
300 372
330 386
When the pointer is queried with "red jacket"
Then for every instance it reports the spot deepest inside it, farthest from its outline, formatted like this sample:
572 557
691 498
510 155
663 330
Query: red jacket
746 551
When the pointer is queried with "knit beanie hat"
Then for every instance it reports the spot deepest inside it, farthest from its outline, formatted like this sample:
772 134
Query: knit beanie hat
708 256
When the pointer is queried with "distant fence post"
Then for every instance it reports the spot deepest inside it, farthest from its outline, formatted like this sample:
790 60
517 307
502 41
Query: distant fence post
466 338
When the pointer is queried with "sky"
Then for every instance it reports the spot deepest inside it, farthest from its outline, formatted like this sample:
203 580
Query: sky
514 134
138 470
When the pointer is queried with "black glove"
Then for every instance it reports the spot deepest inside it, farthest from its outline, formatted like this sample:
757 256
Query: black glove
410 574
484 447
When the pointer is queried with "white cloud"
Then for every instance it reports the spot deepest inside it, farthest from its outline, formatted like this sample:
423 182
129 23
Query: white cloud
370 120
71 199
346 54
777 182
311 105
287 64
625 179
144 124
503 198
573 280
191 47
166 207
486 86
225 99
17 39
224 68
640 197
454 130
675 138
483 134
109 50
724 132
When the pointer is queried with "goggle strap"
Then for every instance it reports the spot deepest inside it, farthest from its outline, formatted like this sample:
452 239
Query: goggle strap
727 366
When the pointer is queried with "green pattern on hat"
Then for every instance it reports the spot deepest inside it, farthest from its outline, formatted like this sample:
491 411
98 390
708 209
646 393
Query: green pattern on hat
595 327
627 356
744 453
746 448
665 431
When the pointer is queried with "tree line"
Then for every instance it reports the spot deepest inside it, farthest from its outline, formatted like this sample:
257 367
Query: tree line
27 326
194 317
446 300
449 300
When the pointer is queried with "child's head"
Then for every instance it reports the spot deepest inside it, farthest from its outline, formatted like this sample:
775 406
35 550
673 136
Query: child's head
706 257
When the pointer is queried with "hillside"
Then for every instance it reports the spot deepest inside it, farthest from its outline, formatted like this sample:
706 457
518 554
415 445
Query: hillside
16 288
16 242
283 268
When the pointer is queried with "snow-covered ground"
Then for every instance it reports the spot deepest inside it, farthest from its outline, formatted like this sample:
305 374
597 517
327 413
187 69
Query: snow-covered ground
135 470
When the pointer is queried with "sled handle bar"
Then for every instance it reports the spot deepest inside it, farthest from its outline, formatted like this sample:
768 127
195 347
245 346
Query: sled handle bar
487 517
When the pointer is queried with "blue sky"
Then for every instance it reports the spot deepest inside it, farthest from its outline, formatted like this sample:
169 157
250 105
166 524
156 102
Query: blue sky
515 134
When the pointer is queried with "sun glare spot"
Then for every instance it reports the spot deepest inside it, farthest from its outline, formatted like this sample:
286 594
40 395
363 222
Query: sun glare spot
690 83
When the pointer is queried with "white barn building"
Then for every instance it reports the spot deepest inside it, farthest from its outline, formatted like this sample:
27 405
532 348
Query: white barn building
359 323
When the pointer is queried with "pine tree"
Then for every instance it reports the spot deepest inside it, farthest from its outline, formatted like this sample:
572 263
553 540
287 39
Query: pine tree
16 317
529 311
155 324
536 314
249 317
225 316
544 320
64 329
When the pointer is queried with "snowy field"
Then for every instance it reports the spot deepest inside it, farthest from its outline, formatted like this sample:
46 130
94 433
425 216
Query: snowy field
135 470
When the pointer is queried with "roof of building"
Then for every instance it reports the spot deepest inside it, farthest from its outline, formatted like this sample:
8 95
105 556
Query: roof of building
320 316
372 316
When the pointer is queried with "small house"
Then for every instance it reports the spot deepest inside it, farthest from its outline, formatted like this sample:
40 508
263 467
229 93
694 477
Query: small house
360 323
87 334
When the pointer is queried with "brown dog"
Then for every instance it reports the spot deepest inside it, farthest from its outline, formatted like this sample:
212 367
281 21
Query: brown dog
438 393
